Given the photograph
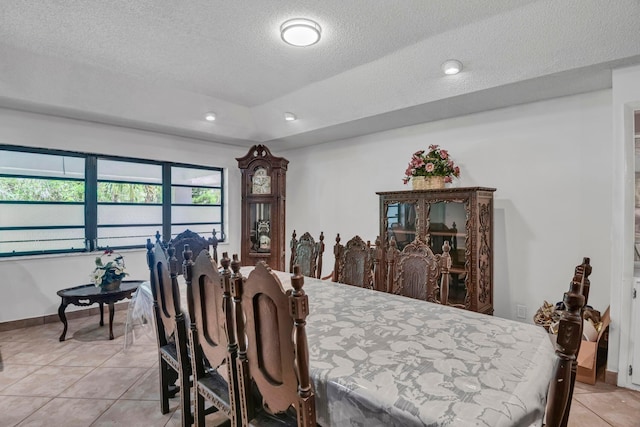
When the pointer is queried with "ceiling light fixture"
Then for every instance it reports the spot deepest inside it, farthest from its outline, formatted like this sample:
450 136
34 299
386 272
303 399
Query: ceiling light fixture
300 32
451 66
210 117
289 117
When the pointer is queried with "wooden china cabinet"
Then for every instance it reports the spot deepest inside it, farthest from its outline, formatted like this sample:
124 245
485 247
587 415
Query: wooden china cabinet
263 207
462 216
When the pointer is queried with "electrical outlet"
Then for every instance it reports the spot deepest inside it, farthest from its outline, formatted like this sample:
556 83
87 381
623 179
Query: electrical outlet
521 311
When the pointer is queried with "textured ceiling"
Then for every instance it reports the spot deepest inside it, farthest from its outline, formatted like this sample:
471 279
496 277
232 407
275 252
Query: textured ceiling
160 64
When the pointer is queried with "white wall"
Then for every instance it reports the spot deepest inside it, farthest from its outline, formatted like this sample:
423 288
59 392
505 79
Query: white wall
29 284
550 162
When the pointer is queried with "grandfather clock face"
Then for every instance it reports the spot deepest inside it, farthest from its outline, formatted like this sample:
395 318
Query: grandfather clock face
261 182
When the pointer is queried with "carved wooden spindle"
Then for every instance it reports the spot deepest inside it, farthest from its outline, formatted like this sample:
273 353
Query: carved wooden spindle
445 265
580 284
299 310
337 254
391 256
214 244
293 245
320 254
242 363
378 266
569 336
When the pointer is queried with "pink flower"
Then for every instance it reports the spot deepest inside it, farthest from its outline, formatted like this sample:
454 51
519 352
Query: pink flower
448 179
444 154
429 167
405 180
456 171
409 171
418 153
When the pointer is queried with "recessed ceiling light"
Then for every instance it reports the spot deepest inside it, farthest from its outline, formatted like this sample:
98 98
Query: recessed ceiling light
210 117
300 32
451 66
289 117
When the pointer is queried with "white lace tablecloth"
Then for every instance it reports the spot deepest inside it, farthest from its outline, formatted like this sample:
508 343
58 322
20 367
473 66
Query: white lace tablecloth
384 360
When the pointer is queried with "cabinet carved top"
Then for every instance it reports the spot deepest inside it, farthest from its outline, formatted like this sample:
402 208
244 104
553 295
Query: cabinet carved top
440 190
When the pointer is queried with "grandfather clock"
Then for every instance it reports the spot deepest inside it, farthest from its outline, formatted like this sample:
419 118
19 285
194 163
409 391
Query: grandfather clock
263 207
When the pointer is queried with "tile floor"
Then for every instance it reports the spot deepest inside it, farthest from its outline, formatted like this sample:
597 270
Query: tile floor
91 381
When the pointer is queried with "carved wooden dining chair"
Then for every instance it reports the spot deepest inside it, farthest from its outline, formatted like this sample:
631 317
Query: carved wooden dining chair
171 330
567 347
354 262
307 253
212 335
416 272
274 356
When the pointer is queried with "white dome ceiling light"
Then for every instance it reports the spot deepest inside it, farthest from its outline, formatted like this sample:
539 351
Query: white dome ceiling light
300 32
451 66
290 117
210 117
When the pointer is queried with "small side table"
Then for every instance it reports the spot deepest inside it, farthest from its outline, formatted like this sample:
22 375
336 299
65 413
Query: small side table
85 295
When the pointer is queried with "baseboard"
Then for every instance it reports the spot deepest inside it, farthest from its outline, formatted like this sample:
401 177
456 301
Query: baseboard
53 318
611 377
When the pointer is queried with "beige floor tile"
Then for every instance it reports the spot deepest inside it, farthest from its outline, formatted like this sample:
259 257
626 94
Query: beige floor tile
48 381
67 412
12 373
598 387
104 383
146 388
211 420
137 356
91 331
583 417
135 413
11 348
14 409
86 355
618 408
41 352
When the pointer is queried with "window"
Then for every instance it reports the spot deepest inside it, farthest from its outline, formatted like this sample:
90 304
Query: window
196 200
129 202
41 203
54 201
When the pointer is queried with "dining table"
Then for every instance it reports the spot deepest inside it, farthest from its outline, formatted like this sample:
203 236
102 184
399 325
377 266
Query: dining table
378 359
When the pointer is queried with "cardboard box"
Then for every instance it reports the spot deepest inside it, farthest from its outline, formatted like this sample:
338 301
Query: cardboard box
588 355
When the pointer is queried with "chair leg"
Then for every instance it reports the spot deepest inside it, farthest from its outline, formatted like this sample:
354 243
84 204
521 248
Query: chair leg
199 415
164 386
185 399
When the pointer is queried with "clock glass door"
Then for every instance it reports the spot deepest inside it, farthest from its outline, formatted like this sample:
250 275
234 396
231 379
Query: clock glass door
260 223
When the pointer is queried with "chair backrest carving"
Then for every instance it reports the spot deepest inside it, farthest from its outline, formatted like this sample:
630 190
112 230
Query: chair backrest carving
354 262
277 356
416 272
205 291
164 288
307 253
196 242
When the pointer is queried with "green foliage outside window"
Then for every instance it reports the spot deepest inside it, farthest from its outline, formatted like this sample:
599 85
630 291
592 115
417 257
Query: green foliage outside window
119 192
41 190
205 196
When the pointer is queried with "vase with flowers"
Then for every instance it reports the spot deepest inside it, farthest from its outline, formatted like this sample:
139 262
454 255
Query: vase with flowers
109 271
430 169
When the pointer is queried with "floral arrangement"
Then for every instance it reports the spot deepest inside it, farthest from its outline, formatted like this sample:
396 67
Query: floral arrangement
435 162
109 272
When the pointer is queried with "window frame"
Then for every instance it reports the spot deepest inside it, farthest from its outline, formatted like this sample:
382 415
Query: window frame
91 198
